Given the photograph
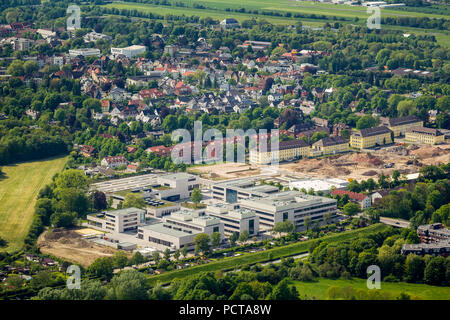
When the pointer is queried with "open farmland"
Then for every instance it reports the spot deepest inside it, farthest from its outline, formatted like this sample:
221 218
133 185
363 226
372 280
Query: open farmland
18 191
323 12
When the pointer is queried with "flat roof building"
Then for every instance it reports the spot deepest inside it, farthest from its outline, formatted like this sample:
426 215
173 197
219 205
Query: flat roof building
129 52
179 229
324 185
290 205
117 221
234 190
85 52
234 218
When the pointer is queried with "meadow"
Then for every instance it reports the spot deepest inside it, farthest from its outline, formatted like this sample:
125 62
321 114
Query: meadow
217 10
319 288
19 188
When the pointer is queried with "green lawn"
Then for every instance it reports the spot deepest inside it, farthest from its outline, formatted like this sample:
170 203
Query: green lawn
18 191
319 289
252 258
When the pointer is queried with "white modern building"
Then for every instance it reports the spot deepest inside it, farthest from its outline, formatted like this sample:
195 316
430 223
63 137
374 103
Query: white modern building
117 221
85 52
175 186
129 52
234 219
291 205
233 190
324 185
179 230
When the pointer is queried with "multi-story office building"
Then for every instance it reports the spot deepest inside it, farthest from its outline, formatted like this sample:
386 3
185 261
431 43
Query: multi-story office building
175 186
118 220
371 137
292 205
424 135
287 150
234 219
400 125
234 190
179 230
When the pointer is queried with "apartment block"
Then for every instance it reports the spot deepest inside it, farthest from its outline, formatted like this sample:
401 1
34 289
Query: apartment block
287 150
400 125
424 135
290 205
121 220
330 145
432 233
371 137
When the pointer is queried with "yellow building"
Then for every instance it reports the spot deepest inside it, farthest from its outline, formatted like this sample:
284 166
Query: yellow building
287 150
424 135
400 125
330 145
370 137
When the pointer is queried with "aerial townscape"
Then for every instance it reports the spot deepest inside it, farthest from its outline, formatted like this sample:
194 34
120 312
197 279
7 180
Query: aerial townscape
236 150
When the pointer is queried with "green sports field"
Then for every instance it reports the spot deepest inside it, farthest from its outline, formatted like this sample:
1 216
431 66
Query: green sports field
18 191
319 289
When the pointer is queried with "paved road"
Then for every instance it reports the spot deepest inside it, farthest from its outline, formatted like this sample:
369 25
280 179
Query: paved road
395 222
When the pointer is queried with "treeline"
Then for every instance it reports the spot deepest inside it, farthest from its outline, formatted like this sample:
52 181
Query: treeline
24 144
347 259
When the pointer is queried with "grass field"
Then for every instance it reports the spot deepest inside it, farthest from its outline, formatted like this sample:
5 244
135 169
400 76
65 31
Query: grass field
319 289
217 11
18 191
252 258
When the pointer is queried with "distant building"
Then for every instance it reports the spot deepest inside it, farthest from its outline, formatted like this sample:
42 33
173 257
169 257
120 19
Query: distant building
115 161
287 150
129 52
435 241
94 36
85 52
359 198
371 137
229 23
331 145
323 185
400 125
424 135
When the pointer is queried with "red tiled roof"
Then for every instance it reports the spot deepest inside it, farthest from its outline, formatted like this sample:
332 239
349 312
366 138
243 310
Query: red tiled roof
351 195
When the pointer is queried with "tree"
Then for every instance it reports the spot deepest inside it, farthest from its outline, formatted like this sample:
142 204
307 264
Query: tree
167 254
284 226
156 257
435 271
176 254
350 209
133 200
406 108
120 259
63 219
307 222
414 268
184 251
71 179
366 122
282 291
196 196
100 202
137 258
201 242
102 267
243 237
215 239
30 67
128 285
233 238
16 68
